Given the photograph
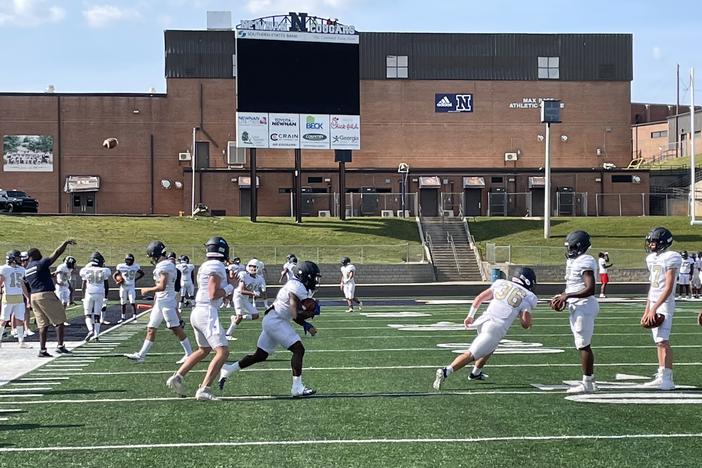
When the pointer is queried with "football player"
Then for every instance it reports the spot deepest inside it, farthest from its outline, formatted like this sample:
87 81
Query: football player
663 265
695 282
187 281
24 261
214 286
129 273
165 303
14 295
233 270
262 287
603 264
348 284
686 269
579 295
248 288
289 267
63 275
95 278
508 300
278 330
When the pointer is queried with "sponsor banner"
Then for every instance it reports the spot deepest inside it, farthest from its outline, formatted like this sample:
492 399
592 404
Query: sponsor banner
314 132
28 153
252 130
452 102
283 130
345 132
297 36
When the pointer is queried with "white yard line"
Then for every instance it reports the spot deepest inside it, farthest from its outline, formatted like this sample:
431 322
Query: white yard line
367 368
267 443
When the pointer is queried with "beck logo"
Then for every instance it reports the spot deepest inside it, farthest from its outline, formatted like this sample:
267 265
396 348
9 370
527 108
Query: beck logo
444 102
311 124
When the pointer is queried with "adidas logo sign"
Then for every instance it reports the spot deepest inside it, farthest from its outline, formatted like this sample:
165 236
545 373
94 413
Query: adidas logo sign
444 102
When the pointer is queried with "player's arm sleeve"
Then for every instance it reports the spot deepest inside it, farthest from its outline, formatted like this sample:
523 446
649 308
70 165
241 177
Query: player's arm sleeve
107 288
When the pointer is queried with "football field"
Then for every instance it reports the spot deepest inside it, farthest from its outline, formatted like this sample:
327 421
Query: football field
375 406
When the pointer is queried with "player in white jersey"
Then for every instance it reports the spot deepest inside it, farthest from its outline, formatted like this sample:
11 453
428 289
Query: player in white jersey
95 278
248 288
687 267
603 264
126 275
187 281
15 293
508 300
348 284
583 308
695 280
165 303
261 273
234 267
663 265
289 269
63 275
278 330
214 286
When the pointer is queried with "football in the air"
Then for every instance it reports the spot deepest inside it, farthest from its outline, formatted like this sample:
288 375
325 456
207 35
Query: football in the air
557 303
657 322
110 143
119 279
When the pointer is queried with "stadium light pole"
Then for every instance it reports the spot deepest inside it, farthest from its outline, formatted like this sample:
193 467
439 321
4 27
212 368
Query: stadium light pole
693 162
192 168
550 113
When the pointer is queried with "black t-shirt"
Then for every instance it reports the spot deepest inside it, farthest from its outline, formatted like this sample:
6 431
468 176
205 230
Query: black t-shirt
39 276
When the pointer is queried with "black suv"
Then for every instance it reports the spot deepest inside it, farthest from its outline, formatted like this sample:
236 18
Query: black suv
16 201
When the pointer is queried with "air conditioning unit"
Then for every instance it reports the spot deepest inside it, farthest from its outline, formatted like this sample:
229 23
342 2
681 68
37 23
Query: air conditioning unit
447 213
511 156
235 156
183 156
324 214
386 213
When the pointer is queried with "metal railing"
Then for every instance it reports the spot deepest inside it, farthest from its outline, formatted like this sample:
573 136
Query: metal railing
449 240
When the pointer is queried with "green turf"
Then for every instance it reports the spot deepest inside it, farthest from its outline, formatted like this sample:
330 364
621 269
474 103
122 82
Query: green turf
374 383
622 237
366 240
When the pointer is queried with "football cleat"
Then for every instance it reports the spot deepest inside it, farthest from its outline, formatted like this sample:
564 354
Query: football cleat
177 384
583 387
349 310
62 350
481 376
360 305
302 392
89 336
44 353
24 345
182 360
204 394
138 358
440 377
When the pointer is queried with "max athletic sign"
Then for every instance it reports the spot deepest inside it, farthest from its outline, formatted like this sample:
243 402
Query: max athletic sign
297 22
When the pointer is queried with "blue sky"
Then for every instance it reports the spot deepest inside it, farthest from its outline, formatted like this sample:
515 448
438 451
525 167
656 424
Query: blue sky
117 46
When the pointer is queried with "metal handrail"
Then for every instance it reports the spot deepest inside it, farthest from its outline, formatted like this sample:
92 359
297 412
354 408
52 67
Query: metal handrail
449 239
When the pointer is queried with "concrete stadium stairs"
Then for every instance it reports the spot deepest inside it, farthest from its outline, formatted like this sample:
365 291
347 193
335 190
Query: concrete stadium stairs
463 266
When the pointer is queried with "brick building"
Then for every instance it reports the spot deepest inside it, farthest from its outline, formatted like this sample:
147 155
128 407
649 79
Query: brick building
486 161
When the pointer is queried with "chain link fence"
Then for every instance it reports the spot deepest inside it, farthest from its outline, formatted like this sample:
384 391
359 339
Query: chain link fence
641 204
269 254
535 255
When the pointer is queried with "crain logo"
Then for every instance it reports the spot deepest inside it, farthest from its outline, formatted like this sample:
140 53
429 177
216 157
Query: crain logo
312 124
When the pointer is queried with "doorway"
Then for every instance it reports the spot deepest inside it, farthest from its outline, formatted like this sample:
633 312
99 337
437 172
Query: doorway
429 201
83 203
472 202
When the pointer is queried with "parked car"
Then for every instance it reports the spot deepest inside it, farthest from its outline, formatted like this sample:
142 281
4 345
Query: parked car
16 201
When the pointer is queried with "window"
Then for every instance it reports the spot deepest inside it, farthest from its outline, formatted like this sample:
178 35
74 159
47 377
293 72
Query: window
396 66
235 156
496 180
314 180
661 134
549 68
621 179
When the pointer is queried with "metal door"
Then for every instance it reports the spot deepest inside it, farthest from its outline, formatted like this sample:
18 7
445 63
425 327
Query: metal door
429 201
472 202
